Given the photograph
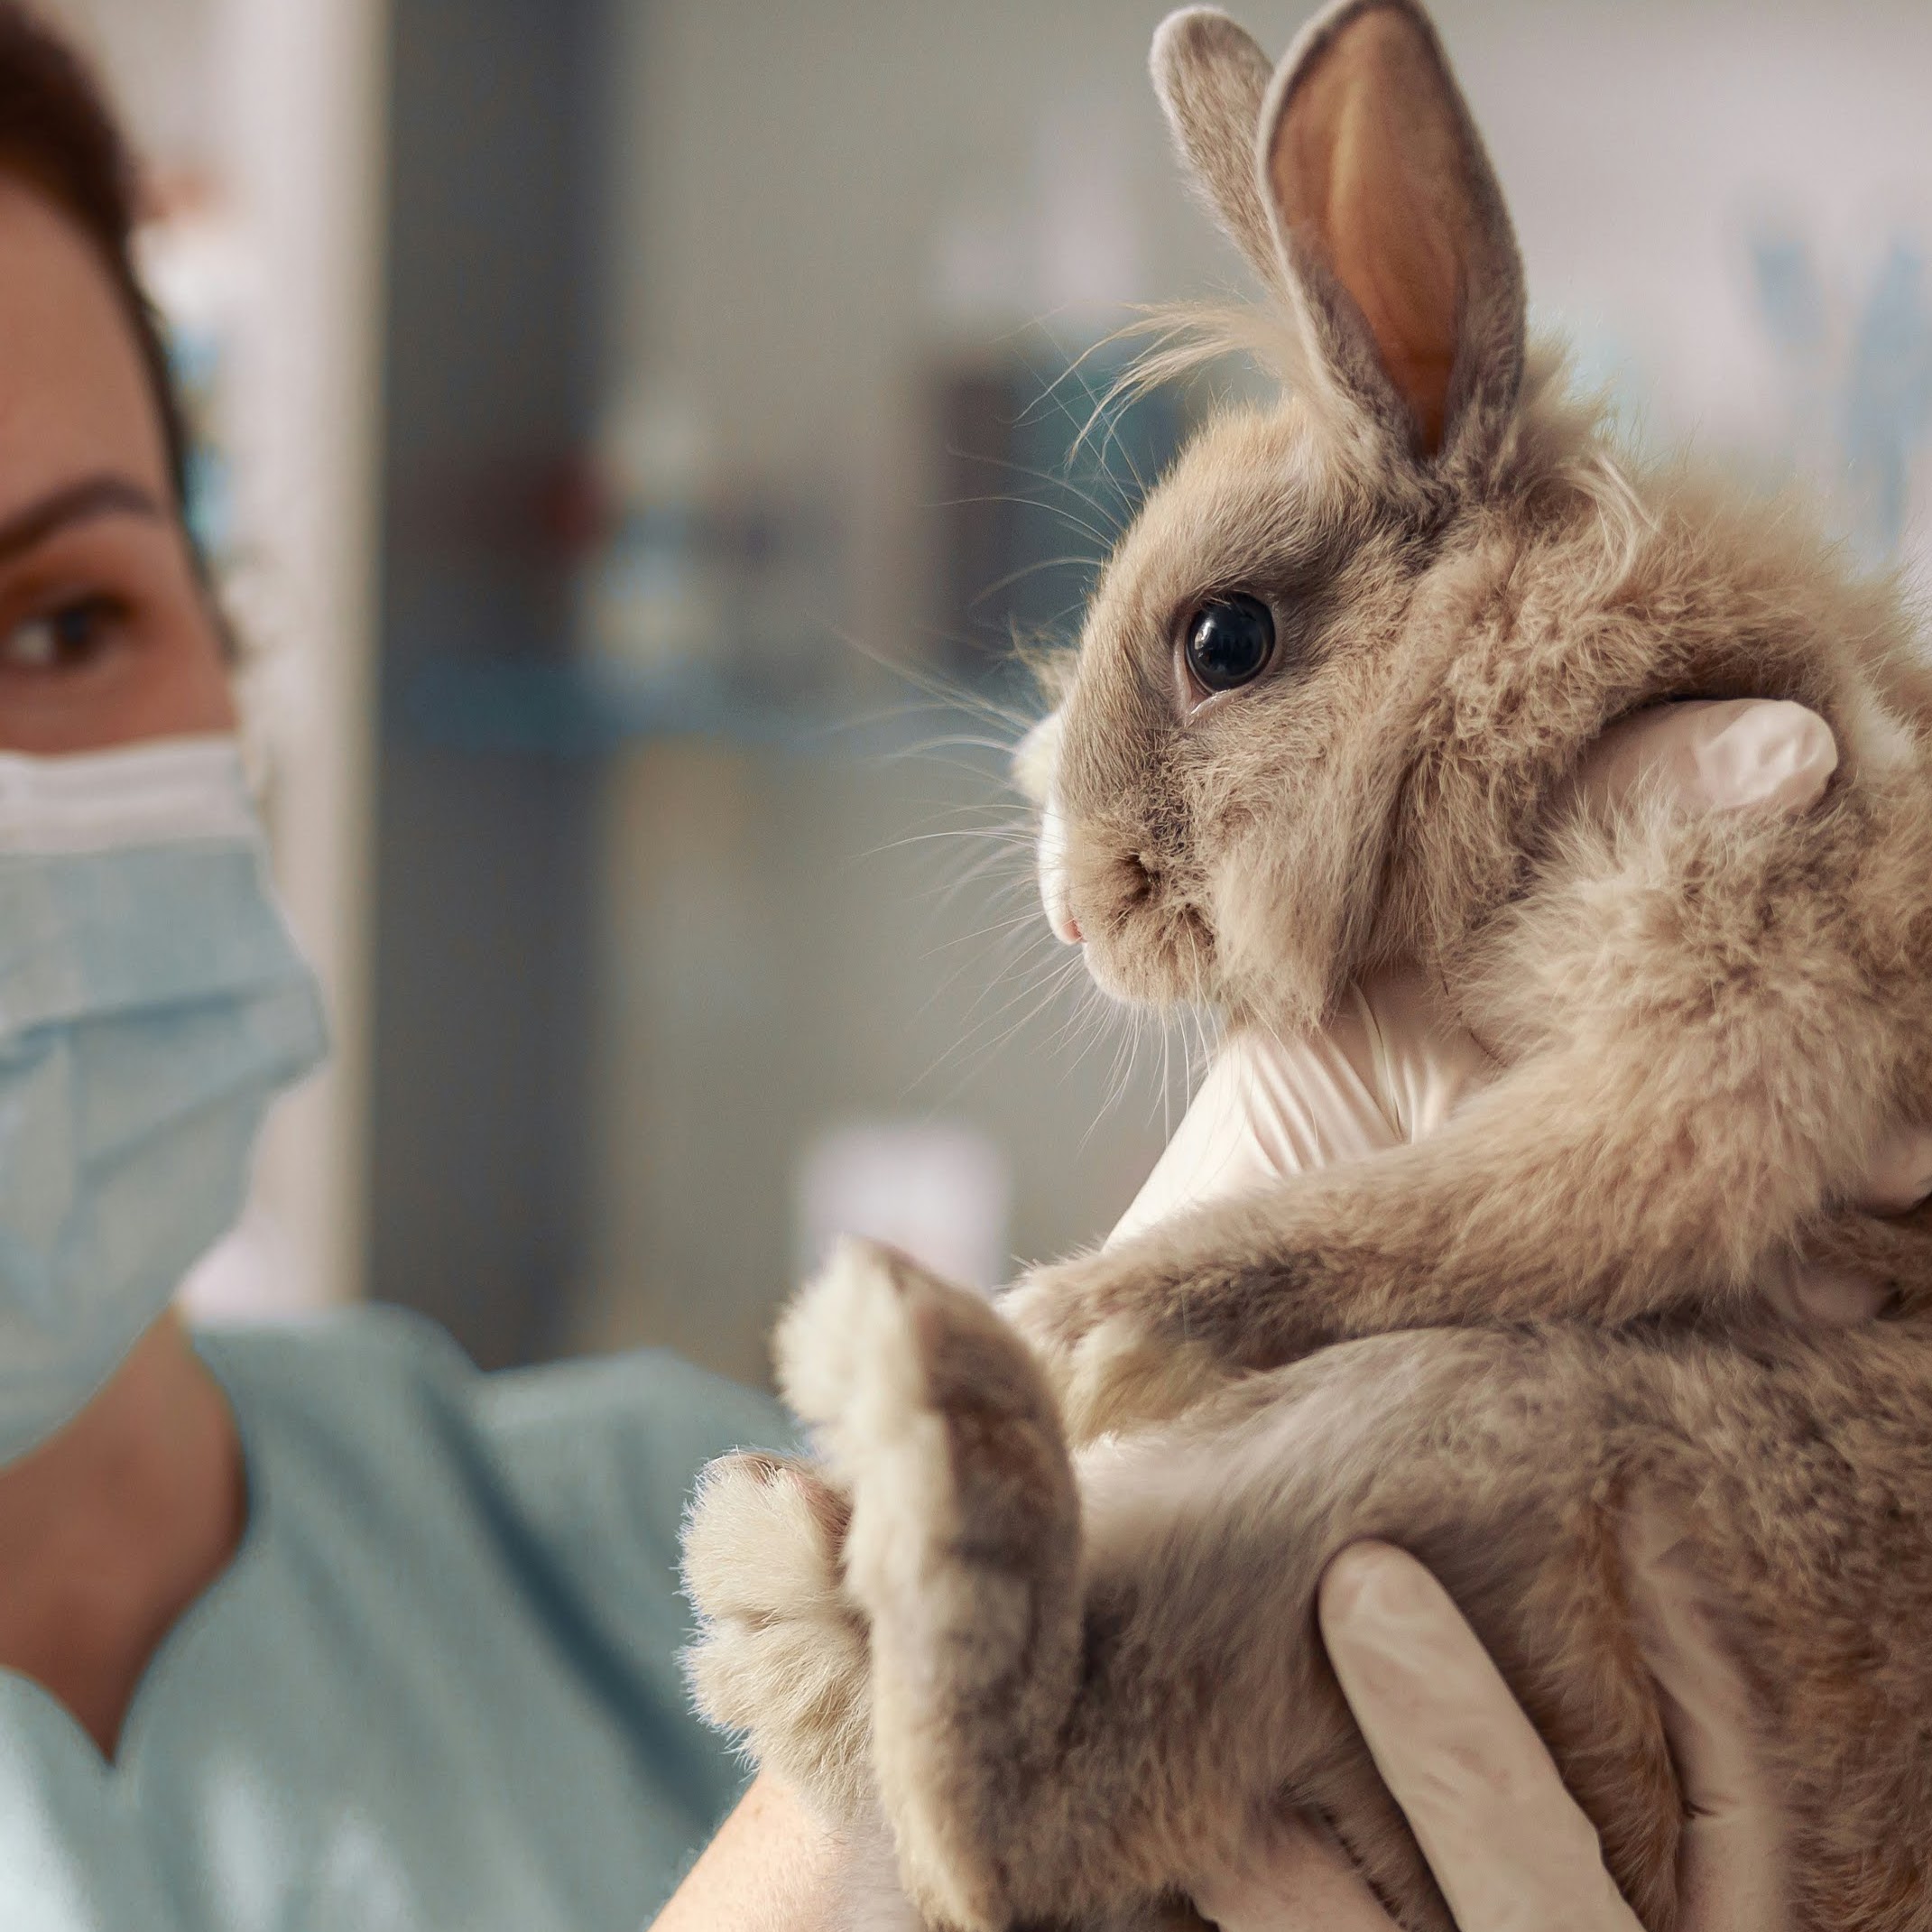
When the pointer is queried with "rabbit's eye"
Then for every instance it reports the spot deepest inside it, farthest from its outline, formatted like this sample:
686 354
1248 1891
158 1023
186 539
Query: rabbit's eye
1230 641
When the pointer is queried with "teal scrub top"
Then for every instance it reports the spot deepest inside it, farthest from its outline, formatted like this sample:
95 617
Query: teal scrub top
439 1686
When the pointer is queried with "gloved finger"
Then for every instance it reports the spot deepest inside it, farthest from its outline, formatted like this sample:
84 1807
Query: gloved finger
1735 754
1387 1066
1817 1297
1293 1880
1268 1107
1507 1844
1821 1294
1730 1871
1900 1176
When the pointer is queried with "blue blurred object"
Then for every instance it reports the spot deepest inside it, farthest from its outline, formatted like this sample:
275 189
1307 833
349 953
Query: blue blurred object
1887 396
1790 297
1045 462
195 353
566 709
1864 414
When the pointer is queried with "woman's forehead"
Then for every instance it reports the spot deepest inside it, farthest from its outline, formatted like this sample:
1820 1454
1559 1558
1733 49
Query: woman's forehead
75 400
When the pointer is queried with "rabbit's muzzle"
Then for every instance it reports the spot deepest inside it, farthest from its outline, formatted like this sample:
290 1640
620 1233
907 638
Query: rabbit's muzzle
1146 941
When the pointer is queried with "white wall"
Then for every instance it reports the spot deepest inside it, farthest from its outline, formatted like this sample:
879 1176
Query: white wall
302 96
161 59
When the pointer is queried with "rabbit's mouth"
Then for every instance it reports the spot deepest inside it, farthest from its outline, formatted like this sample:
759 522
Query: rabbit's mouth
1146 942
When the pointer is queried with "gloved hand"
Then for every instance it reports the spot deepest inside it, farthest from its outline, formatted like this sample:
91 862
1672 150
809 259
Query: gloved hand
1509 1847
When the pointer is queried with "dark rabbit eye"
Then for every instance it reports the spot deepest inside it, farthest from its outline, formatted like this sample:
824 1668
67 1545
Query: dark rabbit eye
1230 641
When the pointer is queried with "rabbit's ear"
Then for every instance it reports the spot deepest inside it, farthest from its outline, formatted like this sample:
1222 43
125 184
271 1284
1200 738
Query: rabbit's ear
1212 79
1399 249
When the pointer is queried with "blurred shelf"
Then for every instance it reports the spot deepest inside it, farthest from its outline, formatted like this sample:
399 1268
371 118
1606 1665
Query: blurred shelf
588 708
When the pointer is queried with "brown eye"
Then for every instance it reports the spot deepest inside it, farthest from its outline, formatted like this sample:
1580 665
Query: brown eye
1230 641
66 638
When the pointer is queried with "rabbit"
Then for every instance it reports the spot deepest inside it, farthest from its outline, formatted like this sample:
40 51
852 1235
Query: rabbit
1035 1626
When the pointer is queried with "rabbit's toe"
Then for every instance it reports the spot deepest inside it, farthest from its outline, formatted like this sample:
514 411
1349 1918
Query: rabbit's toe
1110 1369
781 1656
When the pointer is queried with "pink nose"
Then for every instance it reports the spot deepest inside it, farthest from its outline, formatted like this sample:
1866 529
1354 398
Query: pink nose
1066 927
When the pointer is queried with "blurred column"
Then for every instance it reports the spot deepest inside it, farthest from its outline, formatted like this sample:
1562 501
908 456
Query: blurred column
484 886
304 91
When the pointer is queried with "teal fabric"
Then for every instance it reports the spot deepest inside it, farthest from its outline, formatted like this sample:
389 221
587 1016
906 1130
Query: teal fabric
439 1687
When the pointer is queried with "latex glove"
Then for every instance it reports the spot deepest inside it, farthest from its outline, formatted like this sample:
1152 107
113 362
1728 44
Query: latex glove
1508 1846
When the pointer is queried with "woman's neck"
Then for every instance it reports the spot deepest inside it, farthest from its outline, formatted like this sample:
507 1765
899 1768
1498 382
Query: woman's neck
110 1529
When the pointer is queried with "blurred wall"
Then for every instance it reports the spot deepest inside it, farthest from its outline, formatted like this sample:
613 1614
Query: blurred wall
791 175
164 59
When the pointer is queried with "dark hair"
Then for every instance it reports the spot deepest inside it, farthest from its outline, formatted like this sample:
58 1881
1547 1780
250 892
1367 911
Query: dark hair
59 134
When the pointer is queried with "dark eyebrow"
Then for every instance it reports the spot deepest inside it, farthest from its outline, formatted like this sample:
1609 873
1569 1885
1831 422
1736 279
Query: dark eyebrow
77 503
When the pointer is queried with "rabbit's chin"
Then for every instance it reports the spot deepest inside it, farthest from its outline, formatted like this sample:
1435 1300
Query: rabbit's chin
1161 961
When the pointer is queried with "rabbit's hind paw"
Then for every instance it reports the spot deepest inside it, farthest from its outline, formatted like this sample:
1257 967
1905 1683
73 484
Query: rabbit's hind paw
781 1655
927 1404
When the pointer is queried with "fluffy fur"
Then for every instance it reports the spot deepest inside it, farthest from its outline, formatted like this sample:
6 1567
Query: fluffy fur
1039 1625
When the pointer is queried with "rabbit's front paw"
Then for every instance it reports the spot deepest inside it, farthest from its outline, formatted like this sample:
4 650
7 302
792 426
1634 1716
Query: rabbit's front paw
1092 1323
781 1656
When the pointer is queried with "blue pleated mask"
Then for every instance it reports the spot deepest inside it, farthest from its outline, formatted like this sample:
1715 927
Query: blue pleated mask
152 1003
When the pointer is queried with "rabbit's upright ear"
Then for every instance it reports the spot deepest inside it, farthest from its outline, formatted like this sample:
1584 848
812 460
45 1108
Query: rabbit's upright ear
1212 79
1392 229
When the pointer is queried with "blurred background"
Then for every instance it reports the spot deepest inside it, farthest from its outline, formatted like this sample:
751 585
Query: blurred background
636 432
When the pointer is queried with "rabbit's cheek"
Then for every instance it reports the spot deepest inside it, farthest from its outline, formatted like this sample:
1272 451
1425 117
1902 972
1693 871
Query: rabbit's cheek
1277 941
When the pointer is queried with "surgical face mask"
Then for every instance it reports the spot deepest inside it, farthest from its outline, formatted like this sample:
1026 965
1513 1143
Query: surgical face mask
152 1003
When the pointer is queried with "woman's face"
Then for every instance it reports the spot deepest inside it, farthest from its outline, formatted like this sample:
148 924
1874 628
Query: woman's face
105 635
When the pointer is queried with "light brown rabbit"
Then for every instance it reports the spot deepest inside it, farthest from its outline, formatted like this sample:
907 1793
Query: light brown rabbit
1330 700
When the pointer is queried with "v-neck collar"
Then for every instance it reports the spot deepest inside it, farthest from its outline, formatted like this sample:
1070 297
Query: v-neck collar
46 1717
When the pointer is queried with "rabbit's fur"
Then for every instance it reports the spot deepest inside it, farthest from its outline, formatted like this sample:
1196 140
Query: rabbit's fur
1058 1688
